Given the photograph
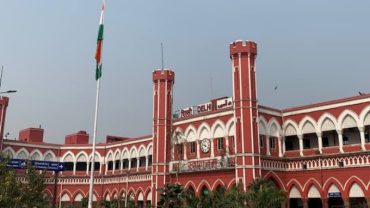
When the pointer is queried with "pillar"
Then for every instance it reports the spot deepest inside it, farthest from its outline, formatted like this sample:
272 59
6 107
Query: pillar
268 145
227 145
325 203
212 147
319 141
283 145
280 146
346 202
243 55
163 81
305 202
362 136
300 138
340 138
368 202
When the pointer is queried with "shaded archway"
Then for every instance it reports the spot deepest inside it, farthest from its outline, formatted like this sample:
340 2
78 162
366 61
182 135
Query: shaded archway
357 196
295 198
314 197
190 197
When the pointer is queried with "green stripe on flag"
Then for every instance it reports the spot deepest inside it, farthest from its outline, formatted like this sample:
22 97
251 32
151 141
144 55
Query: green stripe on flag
100 33
98 72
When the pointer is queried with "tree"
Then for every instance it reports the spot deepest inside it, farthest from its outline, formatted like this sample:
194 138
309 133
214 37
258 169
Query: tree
172 196
14 193
9 191
263 193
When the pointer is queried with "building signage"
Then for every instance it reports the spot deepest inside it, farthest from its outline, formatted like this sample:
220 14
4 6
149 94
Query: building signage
206 107
334 195
204 165
38 164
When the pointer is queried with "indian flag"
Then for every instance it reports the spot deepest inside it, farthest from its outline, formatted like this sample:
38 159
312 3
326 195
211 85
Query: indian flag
99 45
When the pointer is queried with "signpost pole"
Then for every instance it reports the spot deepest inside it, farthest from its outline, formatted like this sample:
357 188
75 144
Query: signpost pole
55 188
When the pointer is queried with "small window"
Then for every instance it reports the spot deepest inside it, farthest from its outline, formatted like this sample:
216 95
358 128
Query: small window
340 164
81 166
345 139
272 143
233 141
192 147
367 136
133 162
289 145
125 163
261 141
220 143
110 165
118 164
325 142
150 160
68 166
306 144
96 166
142 162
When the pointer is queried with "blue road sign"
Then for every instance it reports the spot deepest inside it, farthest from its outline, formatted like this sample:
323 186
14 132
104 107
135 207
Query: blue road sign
38 164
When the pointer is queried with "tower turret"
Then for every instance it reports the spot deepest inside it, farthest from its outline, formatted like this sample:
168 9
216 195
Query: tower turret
163 81
243 55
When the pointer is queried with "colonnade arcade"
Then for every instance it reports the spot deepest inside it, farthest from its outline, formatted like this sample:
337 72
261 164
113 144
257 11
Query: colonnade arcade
348 133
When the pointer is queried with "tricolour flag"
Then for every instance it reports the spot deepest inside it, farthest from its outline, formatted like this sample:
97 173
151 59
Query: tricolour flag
99 44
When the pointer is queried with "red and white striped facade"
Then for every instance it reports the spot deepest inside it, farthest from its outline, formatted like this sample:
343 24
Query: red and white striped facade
318 154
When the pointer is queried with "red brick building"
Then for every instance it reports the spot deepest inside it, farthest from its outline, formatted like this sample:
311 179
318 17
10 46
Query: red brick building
318 154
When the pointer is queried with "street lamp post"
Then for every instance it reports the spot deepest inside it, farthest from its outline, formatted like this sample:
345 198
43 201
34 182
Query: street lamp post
2 117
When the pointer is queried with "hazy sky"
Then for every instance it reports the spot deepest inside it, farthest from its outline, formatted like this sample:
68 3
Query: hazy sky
312 50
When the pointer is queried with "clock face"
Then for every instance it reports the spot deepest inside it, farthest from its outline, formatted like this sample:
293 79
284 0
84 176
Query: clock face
205 145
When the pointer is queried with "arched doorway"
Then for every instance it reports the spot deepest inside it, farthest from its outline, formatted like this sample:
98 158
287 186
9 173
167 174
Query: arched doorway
205 199
335 197
190 199
295 198
357 197
314 198
140 200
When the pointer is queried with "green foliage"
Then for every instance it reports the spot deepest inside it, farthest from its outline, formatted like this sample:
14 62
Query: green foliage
85 202
14 193
263 193
260 194
172 196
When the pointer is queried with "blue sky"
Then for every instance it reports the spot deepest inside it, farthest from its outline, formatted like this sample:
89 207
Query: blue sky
312 50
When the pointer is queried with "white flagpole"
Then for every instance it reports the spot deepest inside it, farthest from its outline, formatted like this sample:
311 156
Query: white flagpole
91 193
94 146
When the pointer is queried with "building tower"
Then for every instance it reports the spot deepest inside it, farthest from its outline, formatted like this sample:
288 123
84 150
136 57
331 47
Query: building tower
3 106
243 55
163 81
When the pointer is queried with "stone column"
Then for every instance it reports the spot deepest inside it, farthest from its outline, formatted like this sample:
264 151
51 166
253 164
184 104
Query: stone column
184 148
300 138
198 148
324 202
268 145
227 148
340 138
368 202
319 140
305 202
212 147
362 135
281 141
74 168
346 202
